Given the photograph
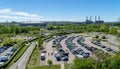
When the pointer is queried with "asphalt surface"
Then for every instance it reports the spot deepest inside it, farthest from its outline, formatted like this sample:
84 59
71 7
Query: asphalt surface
49 49
5 52
20 64
71 56
113 40
88 42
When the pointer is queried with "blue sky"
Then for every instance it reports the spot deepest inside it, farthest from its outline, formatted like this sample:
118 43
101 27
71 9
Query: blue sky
58 10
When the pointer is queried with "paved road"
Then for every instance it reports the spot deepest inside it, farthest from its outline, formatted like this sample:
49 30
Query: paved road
113 40
71 56
88 42
5 52
20 64
62 66
85 50
75 41
115 48
50 50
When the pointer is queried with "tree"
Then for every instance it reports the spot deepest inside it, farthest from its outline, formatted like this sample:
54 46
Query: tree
115 62
96 36
83 64
103 37
40 42
7 41
50 63
113 31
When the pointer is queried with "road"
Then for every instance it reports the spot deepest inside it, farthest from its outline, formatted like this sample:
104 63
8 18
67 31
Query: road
5 52
71 56
113 40
88 42
75 41
20 64
115 48
49 49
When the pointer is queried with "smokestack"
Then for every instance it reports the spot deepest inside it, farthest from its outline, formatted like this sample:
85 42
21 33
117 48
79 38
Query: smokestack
99 18
95 18
86 17
90 18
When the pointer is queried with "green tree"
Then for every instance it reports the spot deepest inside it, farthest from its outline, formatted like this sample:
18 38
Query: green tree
103 37
50 63
113 31
97 36
40 42
115 62
83 64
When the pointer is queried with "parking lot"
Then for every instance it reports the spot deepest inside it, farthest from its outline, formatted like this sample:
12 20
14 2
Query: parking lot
6 53
64 49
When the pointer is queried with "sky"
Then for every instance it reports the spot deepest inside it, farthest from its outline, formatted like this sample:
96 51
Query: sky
58 10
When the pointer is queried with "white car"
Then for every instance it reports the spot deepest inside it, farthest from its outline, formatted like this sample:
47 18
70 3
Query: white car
79 56
2 63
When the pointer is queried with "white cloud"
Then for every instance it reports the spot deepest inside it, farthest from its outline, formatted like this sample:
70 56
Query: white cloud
5 11
15 15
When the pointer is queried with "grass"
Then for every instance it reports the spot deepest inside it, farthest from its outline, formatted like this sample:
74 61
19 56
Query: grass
67 66
19 54
47 67
34 59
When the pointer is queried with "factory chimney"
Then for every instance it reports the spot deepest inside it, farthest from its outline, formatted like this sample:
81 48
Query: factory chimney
86 17
95 18
90 18
99 18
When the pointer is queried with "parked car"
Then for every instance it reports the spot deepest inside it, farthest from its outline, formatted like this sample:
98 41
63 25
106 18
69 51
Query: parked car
58 58
79 56
42 56
65 58
109 49
103 46
86 54
4 58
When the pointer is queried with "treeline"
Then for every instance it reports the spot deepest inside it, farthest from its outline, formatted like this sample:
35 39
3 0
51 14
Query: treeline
107 63
17 29
80 28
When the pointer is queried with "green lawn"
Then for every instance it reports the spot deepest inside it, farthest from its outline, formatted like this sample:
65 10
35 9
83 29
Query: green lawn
18 55
67 66
34 59
47 67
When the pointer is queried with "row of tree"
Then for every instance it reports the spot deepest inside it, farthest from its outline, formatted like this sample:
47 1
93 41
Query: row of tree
79 28
107 63
17 29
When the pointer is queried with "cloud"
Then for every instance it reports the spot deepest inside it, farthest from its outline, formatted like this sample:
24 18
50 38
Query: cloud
9 14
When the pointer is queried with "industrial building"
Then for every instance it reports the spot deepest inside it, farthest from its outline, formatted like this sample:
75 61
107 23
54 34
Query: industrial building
98 21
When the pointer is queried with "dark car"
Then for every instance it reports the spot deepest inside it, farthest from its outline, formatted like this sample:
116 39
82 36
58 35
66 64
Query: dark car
65 58
109 49
58 57
103 46
42 58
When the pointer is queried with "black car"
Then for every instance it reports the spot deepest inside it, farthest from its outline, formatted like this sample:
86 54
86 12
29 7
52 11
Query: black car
103 46
109 49
42 58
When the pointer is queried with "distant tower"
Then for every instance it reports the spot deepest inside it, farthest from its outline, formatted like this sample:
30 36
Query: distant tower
95 18
118 20
98 18
90 18
86 17
29 21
